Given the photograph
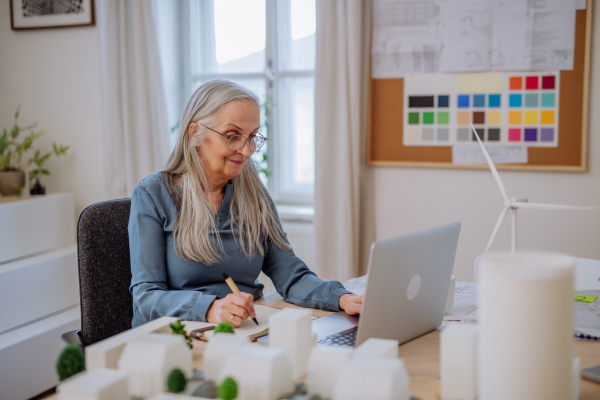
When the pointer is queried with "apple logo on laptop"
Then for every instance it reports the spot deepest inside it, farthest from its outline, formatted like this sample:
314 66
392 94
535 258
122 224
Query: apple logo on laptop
414 285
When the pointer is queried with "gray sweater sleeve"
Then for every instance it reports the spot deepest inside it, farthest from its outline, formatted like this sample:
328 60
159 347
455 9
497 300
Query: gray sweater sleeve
147 247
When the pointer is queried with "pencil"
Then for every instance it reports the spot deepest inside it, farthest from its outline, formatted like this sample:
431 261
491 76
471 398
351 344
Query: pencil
234 289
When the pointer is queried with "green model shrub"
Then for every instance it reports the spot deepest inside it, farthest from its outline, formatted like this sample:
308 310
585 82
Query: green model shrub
227 389
70 362
176 381
224 327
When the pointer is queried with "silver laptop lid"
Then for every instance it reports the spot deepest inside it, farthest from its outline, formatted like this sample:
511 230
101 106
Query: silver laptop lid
409 278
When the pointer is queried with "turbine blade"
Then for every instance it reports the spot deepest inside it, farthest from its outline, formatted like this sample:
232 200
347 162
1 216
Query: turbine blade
539 206
498 223
492 166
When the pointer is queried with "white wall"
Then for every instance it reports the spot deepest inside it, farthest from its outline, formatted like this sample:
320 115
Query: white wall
411 199
54 74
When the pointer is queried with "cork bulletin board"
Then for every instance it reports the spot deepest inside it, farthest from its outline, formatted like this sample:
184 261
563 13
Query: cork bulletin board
560 147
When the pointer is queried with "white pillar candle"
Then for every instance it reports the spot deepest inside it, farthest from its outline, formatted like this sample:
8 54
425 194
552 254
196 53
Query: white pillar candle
526 326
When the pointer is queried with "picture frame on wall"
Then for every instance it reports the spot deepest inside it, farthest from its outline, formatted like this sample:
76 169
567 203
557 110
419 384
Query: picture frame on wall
45 14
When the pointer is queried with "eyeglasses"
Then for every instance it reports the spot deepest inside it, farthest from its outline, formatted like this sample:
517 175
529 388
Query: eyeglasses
236 142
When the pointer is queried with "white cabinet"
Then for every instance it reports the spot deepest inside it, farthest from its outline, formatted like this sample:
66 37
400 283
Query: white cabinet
39 291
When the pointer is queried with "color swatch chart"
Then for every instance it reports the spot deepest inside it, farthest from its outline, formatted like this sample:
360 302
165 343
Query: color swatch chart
505 108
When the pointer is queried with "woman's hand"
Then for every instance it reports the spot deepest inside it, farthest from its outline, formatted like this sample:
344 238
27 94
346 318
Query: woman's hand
351 303
233 309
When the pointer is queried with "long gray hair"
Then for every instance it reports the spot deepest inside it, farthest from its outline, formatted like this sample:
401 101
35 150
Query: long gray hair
251 210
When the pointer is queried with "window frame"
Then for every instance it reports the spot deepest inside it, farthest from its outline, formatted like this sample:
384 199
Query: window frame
272 76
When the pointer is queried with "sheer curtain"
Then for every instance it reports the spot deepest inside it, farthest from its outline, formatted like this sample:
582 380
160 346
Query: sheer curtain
341 93
134 113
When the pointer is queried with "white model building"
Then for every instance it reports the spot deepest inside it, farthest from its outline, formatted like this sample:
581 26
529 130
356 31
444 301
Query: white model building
106 353
218 348
324 366
290 330
100 384
372 378
260 372
377 348
150 358
458 353
173 396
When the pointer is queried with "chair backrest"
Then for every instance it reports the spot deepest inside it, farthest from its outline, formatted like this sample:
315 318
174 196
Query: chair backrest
104 270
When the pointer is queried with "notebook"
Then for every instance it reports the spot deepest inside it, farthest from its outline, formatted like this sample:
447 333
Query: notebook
205 330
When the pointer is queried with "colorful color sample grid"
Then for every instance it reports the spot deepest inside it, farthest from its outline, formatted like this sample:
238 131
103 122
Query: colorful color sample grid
533 109
517 109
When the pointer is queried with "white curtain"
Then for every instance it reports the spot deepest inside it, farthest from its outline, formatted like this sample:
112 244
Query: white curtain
135 116
341 91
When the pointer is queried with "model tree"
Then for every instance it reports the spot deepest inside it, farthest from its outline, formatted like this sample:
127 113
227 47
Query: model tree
224 327
178 329
70 362
227 389
176 381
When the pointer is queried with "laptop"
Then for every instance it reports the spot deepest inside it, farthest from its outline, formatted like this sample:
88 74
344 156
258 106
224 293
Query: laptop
406 291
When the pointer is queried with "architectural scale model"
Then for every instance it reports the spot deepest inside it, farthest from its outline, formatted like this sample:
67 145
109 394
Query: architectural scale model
100 384
150 358
290 330
372 378
260 372
218 348
171 396
378 348
458 354
324 366
106 353
146 359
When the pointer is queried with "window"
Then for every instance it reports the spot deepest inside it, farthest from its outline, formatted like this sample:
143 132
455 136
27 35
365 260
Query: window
269 47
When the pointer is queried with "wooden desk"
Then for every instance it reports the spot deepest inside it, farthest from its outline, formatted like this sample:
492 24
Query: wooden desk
422 358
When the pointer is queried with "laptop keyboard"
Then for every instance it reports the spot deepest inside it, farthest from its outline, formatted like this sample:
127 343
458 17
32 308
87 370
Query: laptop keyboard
346 338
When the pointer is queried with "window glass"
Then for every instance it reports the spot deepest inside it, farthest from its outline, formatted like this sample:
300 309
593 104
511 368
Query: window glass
296 127
297 26
232 41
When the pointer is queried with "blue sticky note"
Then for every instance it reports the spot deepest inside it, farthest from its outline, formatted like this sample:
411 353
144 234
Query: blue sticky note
463 101
478 100
494 100
514 100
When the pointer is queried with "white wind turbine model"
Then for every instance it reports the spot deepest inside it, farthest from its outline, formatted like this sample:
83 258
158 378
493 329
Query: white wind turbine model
515 203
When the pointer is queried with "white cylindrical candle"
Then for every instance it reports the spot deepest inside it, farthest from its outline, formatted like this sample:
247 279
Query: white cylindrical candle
525 348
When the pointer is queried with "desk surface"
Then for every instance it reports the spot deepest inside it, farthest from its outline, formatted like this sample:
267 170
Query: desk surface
422 358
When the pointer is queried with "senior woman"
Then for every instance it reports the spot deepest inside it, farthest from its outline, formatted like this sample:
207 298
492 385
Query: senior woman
207 214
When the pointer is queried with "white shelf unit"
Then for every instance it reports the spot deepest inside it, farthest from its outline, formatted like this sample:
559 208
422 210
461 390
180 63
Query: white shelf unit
39 291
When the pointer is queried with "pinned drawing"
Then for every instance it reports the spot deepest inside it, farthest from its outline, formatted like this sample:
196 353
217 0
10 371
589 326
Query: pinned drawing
514 203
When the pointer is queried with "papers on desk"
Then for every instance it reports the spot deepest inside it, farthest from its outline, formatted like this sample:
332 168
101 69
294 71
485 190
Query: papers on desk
587 315
464 308
357 285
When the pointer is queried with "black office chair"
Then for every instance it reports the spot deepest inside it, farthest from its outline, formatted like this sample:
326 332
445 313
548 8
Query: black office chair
104 271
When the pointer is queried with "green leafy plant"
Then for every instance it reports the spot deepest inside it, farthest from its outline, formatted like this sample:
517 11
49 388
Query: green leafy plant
177 328
70 362
11 149
261 157
227 389
176 381
38 159
225 327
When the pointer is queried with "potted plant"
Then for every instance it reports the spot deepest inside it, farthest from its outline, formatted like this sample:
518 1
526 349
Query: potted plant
12 150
